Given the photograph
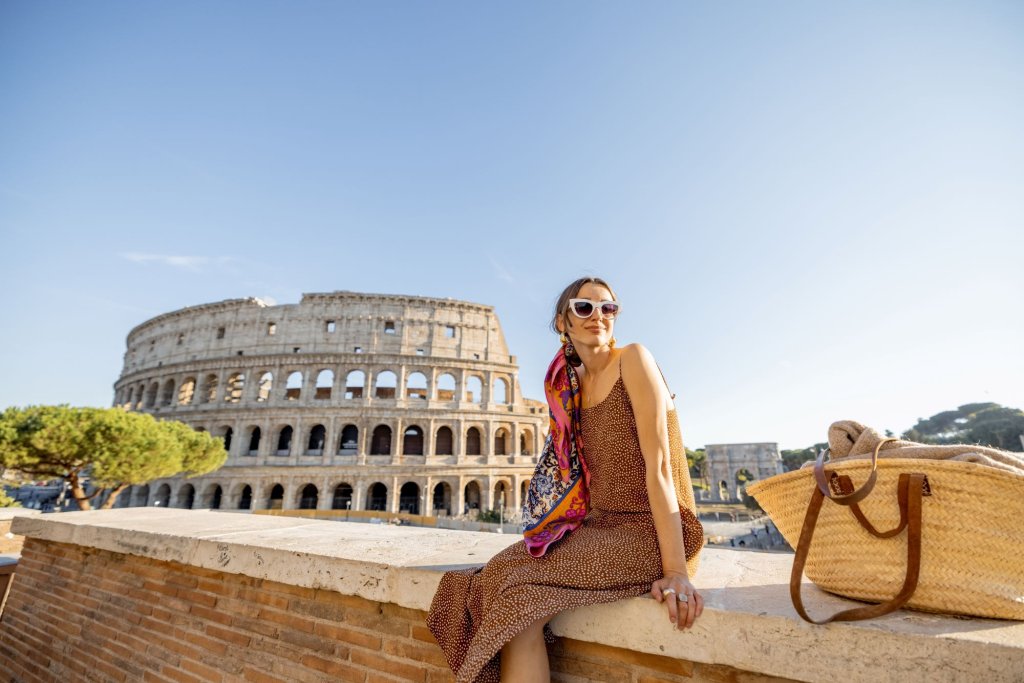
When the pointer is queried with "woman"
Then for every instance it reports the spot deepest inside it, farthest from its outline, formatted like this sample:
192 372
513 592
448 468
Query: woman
614 453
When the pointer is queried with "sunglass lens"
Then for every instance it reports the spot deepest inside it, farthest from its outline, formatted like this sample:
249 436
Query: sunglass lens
609 310
583 309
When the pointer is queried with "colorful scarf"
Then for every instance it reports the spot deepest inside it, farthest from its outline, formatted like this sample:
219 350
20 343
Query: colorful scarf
559 495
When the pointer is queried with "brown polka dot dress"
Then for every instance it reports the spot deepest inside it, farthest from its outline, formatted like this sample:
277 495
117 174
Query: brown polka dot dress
613 555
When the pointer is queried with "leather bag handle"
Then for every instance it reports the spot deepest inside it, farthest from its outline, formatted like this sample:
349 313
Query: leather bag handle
844 485
860 494
911 490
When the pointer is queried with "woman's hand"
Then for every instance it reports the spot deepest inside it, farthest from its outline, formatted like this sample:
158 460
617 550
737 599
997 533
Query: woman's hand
680 613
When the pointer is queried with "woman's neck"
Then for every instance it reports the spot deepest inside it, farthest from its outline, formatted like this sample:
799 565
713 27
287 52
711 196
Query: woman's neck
596 360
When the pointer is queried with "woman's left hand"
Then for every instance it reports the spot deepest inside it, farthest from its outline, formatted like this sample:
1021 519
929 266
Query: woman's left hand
674 589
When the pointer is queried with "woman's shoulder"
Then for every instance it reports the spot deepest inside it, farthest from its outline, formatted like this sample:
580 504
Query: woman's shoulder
641 372
636 354
637 362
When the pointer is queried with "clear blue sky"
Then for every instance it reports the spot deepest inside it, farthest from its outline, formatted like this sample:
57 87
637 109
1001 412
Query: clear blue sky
810 211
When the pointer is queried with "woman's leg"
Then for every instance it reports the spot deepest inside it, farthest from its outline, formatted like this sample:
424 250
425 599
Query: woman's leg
524 659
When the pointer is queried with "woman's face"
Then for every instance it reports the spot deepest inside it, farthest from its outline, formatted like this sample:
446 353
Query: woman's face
593 331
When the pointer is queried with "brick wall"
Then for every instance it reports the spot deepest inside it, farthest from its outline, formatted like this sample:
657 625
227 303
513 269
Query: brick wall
78 613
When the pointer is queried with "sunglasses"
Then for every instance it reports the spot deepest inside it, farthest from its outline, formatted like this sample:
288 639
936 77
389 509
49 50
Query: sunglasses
584 308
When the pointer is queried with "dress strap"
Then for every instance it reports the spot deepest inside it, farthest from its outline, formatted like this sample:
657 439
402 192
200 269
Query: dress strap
662 379
659 370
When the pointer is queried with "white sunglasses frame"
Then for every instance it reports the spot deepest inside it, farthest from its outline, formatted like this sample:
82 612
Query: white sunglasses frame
598 305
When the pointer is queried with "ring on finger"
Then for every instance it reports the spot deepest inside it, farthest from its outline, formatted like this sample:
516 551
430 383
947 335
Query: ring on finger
683 597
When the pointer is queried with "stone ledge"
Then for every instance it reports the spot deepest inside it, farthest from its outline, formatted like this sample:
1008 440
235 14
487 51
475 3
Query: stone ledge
748 623
7 514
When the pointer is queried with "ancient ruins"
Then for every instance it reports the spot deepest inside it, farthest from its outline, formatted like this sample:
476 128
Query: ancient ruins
344 401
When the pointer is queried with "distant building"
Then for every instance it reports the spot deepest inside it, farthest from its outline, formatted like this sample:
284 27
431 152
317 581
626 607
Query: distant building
342 401
728 463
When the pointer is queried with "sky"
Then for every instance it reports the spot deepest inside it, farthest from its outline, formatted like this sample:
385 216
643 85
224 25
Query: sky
809 211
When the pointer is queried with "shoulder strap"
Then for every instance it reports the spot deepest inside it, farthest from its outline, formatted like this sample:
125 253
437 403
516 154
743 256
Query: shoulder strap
659 370
664 380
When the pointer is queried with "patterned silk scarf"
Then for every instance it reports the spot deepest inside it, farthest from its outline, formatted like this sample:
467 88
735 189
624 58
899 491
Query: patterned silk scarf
559 495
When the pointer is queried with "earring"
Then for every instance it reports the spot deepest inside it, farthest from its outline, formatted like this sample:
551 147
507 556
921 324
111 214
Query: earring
611 343
562 338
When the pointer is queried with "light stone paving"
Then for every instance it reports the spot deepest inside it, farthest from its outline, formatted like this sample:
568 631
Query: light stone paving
749 622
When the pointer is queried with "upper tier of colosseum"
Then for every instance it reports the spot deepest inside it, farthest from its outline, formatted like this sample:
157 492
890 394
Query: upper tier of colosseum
335 322
410 335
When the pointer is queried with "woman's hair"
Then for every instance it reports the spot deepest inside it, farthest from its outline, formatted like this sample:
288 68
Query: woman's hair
570 292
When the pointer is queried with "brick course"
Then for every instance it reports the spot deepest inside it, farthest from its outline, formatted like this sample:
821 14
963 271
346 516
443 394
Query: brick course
78 613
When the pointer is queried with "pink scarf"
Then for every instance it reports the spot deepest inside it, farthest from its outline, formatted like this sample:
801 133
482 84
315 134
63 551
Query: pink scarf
559 495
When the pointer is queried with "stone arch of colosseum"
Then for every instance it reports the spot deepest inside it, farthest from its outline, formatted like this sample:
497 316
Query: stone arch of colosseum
374 392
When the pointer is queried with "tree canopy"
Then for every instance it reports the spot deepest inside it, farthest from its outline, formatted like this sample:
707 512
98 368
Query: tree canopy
113 447
697 461
793 459
986 424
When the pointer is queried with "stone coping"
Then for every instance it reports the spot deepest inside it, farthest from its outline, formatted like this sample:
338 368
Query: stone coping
748 622
7 514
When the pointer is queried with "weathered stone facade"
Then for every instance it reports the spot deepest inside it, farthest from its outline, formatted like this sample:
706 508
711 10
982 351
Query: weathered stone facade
725 461
343 401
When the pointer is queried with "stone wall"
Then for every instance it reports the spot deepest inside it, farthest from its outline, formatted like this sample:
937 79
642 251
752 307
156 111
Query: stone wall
175 595
82 613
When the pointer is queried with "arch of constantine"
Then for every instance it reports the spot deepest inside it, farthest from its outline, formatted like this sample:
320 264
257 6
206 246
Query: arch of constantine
344 401
726 462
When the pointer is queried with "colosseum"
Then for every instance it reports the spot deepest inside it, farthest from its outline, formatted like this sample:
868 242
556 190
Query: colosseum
344 401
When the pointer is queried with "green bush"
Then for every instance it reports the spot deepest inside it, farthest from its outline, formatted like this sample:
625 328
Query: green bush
490 516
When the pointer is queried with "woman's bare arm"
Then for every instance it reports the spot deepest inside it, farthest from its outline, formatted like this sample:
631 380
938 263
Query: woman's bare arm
642 379
650 402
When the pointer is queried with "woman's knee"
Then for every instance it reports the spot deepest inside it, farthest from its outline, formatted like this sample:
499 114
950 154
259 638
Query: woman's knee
533 631
537 627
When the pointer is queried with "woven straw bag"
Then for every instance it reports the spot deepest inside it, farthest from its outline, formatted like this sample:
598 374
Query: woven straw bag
936 531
